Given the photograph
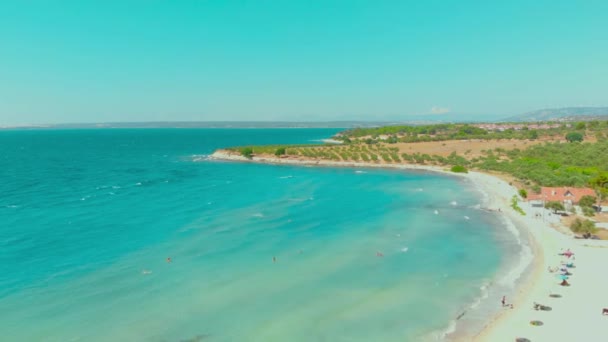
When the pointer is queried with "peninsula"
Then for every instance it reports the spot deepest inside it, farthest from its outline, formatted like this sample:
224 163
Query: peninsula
509 162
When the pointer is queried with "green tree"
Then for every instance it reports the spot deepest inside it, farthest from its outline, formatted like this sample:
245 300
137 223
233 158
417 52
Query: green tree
587 201
588 211
574 137
280 151
580 126
247 152
600 183
459 169
585 227
555 206
523 193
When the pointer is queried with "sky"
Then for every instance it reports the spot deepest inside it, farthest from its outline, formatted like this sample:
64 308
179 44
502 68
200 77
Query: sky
217 60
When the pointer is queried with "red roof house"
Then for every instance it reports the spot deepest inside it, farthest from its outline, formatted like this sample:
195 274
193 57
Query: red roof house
562 194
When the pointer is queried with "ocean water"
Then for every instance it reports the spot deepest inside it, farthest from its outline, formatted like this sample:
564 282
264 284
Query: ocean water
257 252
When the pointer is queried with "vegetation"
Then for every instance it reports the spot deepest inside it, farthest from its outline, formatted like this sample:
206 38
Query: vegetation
587 201
552 163
523 193
459 169
574 137
583 227
588 211
555 206
443 132
247 152
280 151
516 206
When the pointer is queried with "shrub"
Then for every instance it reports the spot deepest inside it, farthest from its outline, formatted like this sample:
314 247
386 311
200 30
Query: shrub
459 169
247 152
555 206
587 226
523 193
516 206
280 151
588 211
587 201
574 137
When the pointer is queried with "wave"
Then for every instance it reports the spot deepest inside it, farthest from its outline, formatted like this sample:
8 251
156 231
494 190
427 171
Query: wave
286 177
359 171
525 258
257 215
200 157
451 328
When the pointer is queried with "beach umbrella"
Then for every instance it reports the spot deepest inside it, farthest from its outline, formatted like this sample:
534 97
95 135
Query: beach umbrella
563 277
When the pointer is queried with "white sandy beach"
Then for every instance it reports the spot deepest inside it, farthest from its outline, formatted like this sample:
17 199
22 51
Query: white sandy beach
576 315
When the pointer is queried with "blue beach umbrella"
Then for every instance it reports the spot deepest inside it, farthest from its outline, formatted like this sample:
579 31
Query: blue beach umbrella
563 277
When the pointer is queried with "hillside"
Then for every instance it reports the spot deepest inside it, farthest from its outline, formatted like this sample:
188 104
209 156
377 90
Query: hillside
562 114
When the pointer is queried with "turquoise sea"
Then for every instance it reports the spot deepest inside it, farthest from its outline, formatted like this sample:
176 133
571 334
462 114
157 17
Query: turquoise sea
90 218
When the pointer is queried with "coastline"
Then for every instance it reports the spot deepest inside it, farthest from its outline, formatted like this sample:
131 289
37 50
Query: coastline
574 315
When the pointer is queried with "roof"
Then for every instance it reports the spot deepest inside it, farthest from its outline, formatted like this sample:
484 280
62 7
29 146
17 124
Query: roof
562 194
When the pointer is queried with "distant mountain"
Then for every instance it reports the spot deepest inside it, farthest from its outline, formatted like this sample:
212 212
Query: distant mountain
562 114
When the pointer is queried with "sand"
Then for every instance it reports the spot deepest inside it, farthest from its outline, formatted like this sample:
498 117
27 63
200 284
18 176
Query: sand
576 315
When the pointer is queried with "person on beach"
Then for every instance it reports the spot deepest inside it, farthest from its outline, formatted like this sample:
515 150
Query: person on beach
503 301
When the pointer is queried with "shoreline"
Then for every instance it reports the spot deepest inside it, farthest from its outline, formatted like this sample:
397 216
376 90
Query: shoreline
534 283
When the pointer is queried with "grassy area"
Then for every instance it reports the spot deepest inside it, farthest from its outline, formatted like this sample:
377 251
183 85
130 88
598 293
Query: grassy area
445 132
541 164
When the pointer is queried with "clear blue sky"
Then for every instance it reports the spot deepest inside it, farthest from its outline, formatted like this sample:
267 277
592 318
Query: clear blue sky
149 60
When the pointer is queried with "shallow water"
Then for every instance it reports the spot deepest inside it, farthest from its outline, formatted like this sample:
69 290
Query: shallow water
91 216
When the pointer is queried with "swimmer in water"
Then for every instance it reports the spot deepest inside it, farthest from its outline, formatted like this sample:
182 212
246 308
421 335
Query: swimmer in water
274 259
169 260
378 254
